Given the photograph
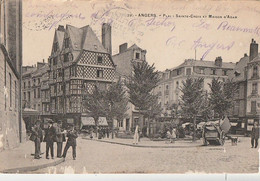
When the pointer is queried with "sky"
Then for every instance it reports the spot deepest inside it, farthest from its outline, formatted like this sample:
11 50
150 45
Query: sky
170 31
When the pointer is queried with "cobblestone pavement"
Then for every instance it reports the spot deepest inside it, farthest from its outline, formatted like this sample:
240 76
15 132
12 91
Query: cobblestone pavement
99 157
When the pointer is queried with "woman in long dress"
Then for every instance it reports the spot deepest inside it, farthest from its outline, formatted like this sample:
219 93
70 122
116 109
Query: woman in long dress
174 135
136 135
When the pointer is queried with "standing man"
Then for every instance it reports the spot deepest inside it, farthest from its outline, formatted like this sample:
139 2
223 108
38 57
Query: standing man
37 138
255 135
60 137
71 142
50 135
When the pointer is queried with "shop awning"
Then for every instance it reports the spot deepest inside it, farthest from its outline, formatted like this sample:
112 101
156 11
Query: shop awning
87 121
30 112
102 121
200 124
233 124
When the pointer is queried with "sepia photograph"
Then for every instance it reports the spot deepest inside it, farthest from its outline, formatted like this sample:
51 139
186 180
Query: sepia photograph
129 87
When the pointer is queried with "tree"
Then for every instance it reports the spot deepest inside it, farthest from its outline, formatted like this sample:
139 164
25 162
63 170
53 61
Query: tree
117 102
95 103
205 112
140 86
222 96
192 100
174 110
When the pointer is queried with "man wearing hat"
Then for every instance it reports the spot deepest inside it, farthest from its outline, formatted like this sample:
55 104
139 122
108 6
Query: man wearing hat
50 135
71 142
37 138
60 137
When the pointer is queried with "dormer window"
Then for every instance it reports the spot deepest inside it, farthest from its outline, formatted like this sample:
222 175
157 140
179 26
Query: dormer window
99 59
95 46
137 55
66 42
68 57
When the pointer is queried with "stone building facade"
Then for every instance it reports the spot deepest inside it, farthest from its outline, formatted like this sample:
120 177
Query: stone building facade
124 61
246 108
168 89
12 129
253 86
31 85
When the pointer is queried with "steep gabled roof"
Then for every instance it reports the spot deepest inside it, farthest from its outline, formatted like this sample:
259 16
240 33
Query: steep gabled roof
60 36
134 46
91 42
84 38
75 35
41 71
238 72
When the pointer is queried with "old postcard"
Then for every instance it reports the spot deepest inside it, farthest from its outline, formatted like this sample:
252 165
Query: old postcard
128 86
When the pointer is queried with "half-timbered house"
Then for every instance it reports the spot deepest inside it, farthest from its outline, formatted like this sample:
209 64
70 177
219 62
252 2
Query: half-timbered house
78 61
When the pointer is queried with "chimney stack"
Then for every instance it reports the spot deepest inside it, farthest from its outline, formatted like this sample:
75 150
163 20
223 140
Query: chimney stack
106 37
122 47
253 50
61 28
218 61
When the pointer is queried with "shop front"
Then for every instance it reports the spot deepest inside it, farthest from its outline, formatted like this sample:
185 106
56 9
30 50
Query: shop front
30 116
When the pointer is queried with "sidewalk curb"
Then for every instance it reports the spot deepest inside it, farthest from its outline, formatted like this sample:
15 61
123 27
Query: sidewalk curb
143 146
32 168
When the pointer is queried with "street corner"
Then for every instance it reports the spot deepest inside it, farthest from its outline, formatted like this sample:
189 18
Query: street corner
26 169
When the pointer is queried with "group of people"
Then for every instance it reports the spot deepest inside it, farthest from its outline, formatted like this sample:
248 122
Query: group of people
103 132
172 136
54 134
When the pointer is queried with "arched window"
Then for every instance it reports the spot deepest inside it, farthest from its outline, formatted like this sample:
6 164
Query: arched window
177 84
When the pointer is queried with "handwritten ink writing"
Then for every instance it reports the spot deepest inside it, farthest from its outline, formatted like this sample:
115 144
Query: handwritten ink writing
51 13
202 24
225 26
174 42
210 46
156 22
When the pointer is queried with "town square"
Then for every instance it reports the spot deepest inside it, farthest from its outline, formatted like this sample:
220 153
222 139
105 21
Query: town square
120 90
